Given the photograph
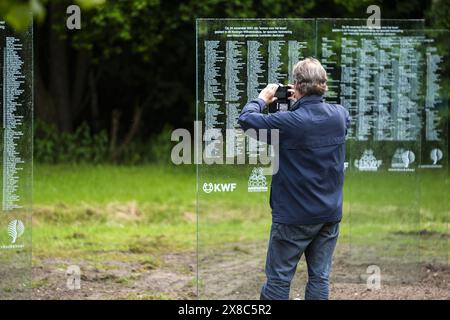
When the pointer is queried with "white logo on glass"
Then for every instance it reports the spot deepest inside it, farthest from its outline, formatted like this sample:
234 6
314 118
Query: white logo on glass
16 229
408 157
218 187
436 155
368 162
208 187
257 181
402 159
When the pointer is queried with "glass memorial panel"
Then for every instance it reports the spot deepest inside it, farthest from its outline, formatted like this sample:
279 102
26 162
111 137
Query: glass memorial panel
433 167
235 60
377 75
392 79
16 90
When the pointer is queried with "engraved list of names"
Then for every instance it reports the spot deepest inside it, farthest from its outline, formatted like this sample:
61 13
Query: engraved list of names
239 59
13 82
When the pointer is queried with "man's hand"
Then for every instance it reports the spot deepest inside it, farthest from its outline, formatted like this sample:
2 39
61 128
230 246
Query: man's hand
268 93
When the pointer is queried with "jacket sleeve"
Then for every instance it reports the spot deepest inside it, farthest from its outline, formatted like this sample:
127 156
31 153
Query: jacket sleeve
252 117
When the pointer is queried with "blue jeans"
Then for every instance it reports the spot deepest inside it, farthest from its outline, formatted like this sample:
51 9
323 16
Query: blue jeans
286 245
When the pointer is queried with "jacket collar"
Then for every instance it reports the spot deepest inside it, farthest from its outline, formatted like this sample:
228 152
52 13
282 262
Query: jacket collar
313 99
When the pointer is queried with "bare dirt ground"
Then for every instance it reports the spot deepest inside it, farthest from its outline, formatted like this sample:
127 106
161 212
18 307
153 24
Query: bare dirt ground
174 279
236 271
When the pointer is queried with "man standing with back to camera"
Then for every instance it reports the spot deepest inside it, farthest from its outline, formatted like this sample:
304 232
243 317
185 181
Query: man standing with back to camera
306 192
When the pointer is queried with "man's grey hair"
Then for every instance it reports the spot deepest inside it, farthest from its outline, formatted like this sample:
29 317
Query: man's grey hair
310 77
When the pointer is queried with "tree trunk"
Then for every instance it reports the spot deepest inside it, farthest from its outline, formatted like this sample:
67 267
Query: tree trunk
79 84
116 152
59 73
94 101
115 119
44 107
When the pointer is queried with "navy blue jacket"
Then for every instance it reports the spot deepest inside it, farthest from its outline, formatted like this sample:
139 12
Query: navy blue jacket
307 189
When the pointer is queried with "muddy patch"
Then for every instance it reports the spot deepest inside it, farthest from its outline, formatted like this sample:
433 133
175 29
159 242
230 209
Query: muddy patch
234 271
172 279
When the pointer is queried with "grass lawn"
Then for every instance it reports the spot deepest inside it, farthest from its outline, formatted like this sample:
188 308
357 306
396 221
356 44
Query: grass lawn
119 222
96 213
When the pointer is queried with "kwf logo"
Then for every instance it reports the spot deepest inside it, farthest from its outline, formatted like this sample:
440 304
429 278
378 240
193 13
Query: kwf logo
218 187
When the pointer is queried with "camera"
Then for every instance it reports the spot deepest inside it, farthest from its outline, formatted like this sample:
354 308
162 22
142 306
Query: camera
282 103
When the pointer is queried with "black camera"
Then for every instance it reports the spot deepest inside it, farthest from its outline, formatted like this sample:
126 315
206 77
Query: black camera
282 103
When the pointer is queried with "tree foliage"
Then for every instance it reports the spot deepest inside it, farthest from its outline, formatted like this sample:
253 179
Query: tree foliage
130 70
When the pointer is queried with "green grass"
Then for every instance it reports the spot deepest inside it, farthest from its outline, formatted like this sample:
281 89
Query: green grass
104 213
105 183
136 213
